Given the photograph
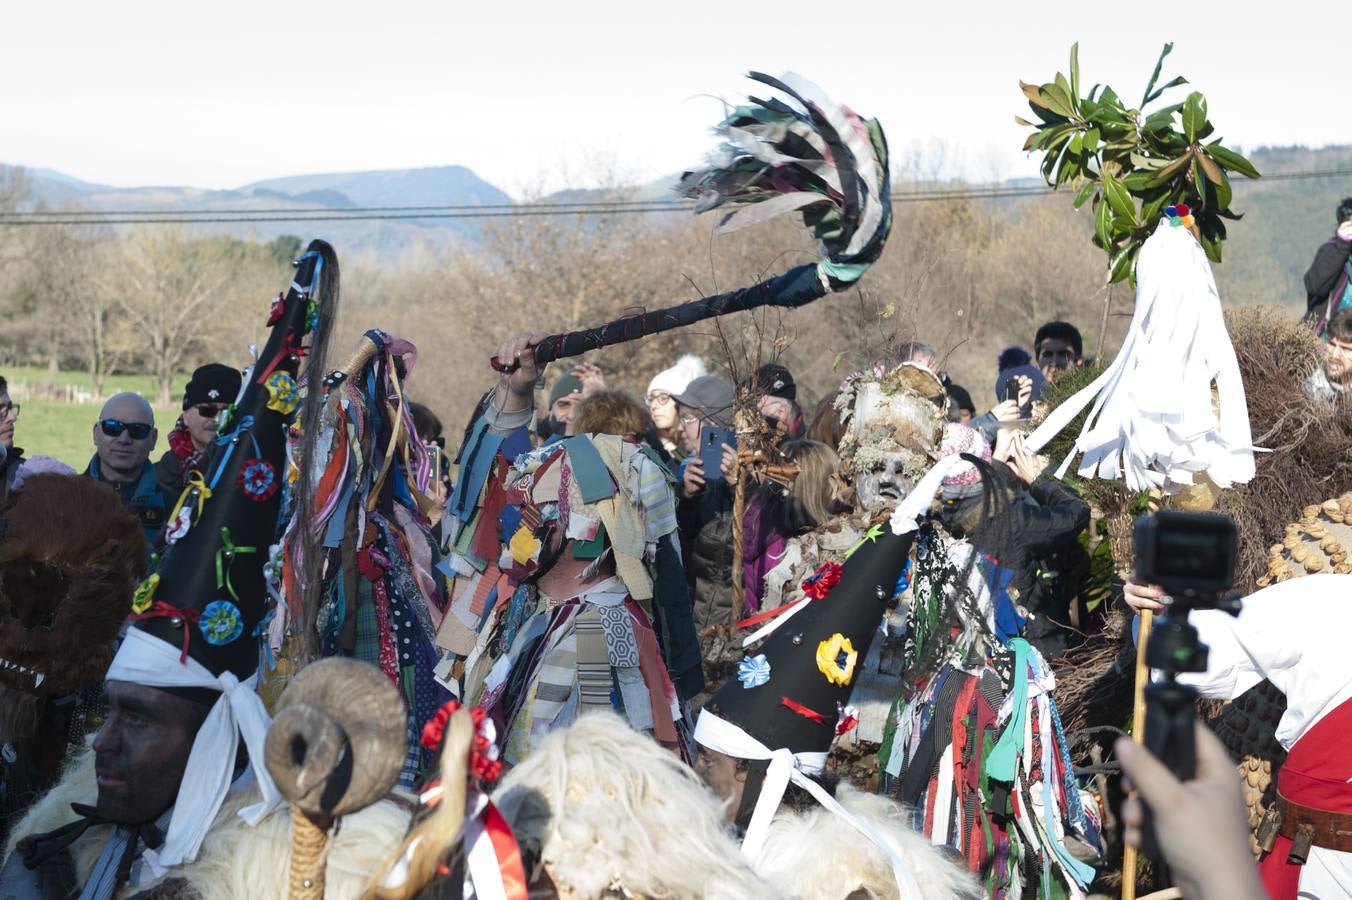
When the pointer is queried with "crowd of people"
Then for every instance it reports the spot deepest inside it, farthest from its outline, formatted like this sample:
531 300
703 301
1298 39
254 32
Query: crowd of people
702 606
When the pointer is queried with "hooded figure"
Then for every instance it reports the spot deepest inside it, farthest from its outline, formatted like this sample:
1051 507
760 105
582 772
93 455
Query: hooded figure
184 736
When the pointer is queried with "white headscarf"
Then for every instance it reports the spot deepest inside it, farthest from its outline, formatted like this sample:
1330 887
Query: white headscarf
145 659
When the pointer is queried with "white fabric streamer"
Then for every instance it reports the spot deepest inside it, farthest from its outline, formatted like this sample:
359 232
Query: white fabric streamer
147 660
724 737
1152 422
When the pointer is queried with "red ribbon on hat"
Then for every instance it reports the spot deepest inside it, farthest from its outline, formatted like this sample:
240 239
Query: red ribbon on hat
510 867
805 711
161 610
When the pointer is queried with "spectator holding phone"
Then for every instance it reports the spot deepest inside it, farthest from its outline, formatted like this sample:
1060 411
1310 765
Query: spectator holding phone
704 411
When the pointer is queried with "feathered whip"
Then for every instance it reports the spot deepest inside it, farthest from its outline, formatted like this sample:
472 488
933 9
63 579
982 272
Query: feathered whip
819 158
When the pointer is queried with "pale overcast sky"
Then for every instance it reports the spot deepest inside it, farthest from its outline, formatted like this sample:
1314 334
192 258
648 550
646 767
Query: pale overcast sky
217 95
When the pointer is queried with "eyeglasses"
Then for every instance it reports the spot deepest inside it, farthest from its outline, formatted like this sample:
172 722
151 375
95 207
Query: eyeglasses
689 419
659 398
139 431
209 410
8 408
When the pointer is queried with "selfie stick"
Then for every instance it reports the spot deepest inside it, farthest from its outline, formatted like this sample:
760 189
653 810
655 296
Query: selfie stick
1138 718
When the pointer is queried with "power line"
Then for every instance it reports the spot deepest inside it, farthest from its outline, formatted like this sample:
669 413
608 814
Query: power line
489 211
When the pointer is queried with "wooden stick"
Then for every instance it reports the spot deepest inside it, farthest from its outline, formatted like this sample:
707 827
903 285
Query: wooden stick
738 550
1137 736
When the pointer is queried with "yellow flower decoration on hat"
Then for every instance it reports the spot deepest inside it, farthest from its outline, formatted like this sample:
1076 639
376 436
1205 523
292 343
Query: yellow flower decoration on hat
836 657
145 594
283 392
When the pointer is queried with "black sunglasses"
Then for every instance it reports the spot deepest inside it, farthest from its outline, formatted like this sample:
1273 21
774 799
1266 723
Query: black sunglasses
209 410
139 431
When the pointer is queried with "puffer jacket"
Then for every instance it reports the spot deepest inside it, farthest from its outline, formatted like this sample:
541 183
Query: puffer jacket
706 533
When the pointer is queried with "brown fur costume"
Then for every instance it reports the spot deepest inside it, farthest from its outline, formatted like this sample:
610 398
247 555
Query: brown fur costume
236 860
70 556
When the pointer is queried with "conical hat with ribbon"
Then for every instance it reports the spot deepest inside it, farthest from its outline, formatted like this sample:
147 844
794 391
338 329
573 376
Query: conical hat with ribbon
208 595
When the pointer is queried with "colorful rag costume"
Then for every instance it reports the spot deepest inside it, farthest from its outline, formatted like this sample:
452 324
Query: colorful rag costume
378 597
195 625
974 744
537 662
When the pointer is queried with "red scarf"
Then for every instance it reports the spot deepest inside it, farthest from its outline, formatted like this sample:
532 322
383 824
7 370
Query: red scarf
180 444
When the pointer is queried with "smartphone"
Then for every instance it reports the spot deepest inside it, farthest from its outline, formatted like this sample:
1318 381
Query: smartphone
711 441
434 454
1012 393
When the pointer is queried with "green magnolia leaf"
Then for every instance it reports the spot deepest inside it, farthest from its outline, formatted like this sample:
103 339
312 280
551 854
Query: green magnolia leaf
1119 264
1155 76
1033 94
1075 69
1057 99
1028 144
1169 171
1152 209
1086 191
1118 198
1221 193
1102 225
1155 95
1137 182
1213 172
1194 115
1148 162
1212 246
1232 160
1091 140
1020 120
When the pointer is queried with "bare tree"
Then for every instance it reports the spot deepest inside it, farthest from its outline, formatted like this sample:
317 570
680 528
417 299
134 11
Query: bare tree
167 285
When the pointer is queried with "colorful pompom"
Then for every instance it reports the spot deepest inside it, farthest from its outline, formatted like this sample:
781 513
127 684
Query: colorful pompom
144 595
820 582
836 658
278 308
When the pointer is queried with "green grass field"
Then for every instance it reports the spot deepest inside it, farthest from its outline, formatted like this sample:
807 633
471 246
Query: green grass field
64 430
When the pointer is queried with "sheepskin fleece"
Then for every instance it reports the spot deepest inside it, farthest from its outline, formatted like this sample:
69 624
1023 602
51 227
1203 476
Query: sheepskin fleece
817 854
236 860
613 811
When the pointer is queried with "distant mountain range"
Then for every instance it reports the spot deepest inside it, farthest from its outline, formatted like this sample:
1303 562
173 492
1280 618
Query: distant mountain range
1285 219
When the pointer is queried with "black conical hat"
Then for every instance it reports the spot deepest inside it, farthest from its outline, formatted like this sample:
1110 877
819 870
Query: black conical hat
209 593
797 708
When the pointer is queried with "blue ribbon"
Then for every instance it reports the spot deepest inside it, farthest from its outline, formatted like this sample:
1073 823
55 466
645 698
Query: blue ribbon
245 427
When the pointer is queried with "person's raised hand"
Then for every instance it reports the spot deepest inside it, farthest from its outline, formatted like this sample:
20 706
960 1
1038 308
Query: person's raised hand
1200 825
1143 596
692 482
728 463
1025 390
1006 411
1345 230
1025 463
592 378
520 383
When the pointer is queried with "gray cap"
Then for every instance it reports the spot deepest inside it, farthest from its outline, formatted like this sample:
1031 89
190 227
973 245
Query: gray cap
711 397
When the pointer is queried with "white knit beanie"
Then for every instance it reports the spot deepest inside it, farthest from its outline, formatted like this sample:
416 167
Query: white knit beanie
678 377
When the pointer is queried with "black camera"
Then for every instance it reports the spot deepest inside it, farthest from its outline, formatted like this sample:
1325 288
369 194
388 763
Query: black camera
1191 555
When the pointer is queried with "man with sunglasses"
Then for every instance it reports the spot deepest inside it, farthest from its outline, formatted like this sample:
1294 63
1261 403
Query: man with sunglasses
124 435
209 392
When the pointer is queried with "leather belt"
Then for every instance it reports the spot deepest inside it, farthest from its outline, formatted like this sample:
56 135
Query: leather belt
1306 826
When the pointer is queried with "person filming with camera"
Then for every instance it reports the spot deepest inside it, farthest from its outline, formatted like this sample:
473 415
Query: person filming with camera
1294 635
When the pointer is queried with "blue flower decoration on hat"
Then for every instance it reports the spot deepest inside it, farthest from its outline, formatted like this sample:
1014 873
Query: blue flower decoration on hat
221 622
258 479
754 671
283 392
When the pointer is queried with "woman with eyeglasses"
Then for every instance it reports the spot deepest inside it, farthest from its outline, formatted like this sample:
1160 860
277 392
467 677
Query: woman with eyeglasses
210 391
661 397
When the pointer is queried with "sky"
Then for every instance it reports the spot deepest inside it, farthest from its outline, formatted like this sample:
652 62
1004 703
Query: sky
535 96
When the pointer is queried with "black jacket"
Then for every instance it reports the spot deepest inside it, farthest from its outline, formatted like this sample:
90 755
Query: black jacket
1326 273
1049 516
